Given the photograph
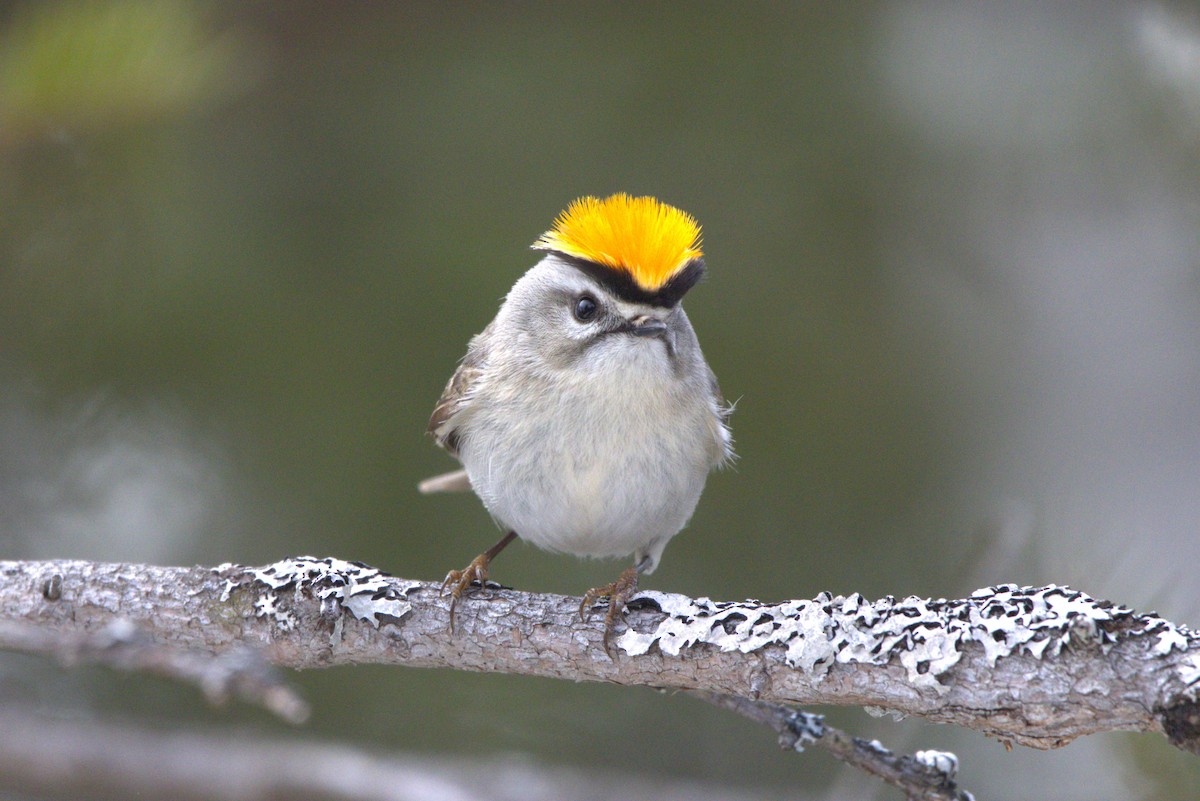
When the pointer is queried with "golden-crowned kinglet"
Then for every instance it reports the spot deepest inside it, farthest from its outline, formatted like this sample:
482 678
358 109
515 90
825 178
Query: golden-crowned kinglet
585 415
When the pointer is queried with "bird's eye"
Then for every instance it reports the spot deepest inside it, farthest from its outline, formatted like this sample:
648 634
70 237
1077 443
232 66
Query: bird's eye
585 308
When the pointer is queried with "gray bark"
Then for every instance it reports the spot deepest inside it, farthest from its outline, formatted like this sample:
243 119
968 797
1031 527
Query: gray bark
1038 667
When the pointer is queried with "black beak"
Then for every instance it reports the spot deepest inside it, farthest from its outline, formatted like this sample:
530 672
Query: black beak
646 327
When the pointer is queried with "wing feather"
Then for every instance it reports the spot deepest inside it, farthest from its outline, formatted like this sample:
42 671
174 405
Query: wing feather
456 398
722 435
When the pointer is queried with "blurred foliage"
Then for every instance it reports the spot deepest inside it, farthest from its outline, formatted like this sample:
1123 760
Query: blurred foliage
83 65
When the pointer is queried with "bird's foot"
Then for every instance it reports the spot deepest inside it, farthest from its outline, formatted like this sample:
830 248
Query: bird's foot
459 581
618 594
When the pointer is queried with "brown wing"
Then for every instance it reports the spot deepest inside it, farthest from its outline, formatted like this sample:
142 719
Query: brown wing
457 395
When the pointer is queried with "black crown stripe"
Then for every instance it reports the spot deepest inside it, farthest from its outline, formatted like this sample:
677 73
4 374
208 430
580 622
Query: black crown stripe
623 285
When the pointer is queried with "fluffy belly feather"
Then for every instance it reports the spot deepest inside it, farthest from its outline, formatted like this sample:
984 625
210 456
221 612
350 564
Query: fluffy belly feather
609 486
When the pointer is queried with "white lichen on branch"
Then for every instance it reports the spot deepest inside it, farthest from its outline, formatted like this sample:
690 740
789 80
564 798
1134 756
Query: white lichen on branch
1036 666
367 593
926 637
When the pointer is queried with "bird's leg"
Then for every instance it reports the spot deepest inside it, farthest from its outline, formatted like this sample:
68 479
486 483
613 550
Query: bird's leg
618 594
460 580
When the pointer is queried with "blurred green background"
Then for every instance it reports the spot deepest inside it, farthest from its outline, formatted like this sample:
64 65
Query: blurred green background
953 282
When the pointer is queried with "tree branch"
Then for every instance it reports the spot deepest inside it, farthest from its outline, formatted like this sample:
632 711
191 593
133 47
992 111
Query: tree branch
1036 666
51 758
924 776
241 672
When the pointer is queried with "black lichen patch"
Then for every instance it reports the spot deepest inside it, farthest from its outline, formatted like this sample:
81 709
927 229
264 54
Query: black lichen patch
1181 722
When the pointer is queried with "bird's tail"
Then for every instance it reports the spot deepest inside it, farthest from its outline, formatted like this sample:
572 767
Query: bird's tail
446 482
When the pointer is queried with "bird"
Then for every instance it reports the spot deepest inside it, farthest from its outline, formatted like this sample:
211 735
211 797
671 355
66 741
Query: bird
585 416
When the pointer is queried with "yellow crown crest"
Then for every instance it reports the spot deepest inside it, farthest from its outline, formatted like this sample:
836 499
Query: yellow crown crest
640 236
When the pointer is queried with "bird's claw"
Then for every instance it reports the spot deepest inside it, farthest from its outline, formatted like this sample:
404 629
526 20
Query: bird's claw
459 581
618 594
